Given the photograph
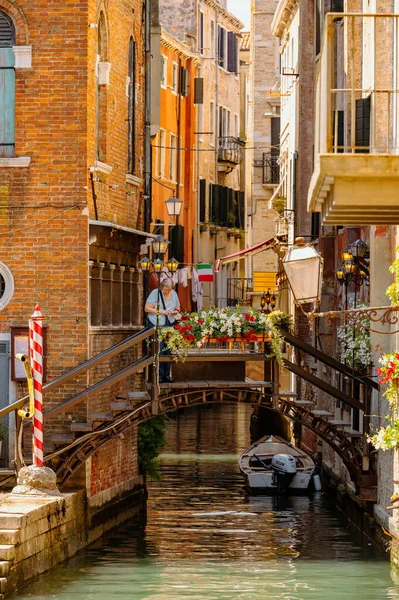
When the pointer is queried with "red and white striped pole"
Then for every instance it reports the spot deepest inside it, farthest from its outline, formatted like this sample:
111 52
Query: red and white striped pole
36 361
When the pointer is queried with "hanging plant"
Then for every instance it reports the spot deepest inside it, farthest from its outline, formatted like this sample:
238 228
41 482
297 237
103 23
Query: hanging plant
354 339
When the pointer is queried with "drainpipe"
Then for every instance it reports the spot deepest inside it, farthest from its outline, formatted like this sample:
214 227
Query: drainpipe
147 127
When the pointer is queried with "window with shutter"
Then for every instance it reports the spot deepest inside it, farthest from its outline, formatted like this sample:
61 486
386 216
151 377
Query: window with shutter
202 200
232 52
201 32
222 47
177 243
215 203
198 90
363 124
184 82
7 86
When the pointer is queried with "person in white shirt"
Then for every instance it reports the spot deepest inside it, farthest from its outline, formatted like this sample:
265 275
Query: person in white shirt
165 302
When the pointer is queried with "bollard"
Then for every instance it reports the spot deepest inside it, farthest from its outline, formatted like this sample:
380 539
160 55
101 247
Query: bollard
36 359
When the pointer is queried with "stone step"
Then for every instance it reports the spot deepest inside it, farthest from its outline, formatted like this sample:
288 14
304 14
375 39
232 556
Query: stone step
322 413
302 402
287 394
101 416
4 567
82 427
3 585
139 396
7 552
353 433
120 406
340 423
59 439
9 536
12 520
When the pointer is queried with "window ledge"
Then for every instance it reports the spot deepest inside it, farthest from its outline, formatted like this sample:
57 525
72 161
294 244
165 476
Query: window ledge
20 161
103 168
133 180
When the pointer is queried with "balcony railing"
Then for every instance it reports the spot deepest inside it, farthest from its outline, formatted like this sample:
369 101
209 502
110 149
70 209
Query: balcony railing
357 121
230 150
237 290
270 168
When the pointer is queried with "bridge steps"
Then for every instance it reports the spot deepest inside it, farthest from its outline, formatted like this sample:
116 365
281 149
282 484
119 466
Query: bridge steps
102 417
82 427
120 406
340 423
322 413
139 396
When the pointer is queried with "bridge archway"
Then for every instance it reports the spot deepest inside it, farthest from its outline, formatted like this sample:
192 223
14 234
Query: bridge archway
75 455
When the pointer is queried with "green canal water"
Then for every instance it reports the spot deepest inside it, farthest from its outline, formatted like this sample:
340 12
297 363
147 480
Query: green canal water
206 539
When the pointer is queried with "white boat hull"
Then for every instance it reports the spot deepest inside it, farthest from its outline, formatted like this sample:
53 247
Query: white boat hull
264 481
256 464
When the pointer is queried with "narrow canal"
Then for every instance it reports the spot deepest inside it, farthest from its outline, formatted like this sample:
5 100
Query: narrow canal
207 540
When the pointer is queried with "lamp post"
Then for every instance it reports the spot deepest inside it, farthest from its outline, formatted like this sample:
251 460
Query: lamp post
303 266
268 302
174 206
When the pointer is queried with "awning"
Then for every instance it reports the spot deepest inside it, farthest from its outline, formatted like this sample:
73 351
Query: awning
261 247
109 225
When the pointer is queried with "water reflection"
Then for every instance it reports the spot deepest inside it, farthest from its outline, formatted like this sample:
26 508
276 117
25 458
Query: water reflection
206 539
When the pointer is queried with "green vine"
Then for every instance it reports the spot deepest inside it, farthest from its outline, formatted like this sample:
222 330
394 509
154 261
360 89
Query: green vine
150 440
393 290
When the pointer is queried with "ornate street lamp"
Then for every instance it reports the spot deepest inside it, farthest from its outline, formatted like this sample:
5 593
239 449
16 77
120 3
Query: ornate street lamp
346 254
340 274
304 268
145 264
160 245
172 265
174 206
359 249
157 265
349 266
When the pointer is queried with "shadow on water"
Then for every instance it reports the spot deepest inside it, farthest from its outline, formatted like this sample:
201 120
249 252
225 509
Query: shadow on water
207 539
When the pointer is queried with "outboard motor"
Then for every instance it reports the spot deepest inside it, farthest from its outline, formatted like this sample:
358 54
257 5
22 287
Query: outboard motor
284 471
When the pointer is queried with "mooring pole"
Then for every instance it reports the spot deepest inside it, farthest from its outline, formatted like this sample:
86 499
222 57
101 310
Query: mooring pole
36 358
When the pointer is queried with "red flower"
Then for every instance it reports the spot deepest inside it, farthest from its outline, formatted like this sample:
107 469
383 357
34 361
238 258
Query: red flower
177 327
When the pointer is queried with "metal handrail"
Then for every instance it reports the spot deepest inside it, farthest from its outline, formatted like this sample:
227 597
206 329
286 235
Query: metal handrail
85 366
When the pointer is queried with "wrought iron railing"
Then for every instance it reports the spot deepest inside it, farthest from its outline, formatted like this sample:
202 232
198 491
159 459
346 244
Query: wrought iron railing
270 168
237 290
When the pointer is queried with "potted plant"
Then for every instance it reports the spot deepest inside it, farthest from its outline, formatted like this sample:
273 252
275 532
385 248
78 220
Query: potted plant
212 229
279 204
231 219
3 431
203 227
238 234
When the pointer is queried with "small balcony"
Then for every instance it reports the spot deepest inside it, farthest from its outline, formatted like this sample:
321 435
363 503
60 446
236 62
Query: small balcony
270 168
230 151
356 173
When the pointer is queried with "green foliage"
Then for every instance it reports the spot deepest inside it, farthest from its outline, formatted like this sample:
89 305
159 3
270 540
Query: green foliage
393 290
279 204
151 440
3 428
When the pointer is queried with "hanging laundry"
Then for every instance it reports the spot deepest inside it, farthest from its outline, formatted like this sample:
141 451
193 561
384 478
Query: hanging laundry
205 273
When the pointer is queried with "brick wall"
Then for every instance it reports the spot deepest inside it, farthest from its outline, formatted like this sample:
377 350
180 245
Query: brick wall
44 208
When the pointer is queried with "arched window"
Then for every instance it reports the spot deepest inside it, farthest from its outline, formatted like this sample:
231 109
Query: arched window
7 86
132 109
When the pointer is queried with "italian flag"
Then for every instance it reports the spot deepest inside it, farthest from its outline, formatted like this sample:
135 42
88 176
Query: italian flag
205 272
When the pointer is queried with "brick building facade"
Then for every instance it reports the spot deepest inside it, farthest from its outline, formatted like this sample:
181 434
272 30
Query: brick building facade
71 195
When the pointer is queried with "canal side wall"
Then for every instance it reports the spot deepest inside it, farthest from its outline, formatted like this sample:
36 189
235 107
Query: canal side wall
38 532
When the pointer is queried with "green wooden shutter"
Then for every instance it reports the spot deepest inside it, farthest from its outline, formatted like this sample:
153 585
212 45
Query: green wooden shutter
7 102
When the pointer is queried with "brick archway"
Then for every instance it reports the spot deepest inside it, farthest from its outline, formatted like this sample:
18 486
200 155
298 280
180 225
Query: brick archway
75 455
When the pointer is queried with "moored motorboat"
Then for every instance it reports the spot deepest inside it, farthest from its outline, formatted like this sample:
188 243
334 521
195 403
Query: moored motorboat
273 465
